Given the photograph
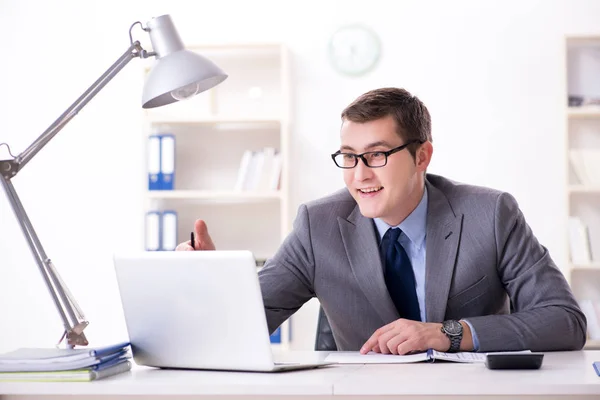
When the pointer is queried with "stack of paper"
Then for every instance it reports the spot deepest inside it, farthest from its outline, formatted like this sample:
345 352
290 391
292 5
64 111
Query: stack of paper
31 364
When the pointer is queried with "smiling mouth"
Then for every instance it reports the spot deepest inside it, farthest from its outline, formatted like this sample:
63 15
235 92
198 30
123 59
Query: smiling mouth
371 190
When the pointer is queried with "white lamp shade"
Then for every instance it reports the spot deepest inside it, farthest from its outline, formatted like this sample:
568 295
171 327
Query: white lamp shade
175 71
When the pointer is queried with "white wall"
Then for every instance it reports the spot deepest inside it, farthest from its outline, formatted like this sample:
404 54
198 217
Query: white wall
491 73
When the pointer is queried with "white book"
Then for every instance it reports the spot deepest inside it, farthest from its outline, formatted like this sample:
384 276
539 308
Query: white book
276 172
265 172
586 165
254 171
579 244
579 168
77 375
243 170
591 164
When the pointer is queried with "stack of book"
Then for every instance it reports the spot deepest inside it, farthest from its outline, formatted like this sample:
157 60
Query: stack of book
34 365
259 170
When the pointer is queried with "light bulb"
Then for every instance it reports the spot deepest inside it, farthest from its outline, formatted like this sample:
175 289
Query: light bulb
186 92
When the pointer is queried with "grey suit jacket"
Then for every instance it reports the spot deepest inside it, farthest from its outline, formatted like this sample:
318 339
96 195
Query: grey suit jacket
481 256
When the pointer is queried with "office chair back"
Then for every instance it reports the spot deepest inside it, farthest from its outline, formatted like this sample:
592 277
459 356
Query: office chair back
324 340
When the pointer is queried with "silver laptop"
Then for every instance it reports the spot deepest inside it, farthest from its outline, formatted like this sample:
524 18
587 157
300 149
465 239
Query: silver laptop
196 310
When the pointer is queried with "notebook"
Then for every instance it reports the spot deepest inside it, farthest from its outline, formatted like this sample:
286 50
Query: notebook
354 357
196 310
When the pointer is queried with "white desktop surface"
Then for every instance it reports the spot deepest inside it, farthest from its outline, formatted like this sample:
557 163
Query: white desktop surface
563 375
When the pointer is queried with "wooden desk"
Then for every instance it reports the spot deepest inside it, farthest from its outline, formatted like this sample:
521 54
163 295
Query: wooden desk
564 375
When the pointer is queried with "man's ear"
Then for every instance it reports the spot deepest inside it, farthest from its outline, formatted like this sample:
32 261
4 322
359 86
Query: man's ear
423 156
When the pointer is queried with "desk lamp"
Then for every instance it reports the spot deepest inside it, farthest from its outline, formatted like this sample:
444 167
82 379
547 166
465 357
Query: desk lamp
177 74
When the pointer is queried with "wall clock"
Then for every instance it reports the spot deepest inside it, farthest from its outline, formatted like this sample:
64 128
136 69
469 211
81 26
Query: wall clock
354 50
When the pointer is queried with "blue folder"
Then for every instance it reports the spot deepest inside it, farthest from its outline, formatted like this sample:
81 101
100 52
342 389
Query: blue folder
168 228
153 227
167 161
276 336
153 163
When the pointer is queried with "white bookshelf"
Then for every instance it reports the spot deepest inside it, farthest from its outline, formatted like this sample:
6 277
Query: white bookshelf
210 120
584 112
216 195
592 345
574 189
249 111
583 172
592 266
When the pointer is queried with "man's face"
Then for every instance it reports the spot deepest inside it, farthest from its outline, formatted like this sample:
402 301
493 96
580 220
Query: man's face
390 192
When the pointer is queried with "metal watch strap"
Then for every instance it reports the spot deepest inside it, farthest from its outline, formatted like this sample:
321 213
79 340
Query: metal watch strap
453 331
454 343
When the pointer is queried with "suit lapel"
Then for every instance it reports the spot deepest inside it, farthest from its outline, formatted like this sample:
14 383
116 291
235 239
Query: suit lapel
361 244
443 237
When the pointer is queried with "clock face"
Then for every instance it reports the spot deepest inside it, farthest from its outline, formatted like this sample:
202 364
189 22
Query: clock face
354 50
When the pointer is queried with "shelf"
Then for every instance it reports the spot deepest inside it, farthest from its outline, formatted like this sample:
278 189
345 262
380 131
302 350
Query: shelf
234 135
584 189
159 119
592 345
585 267
585 41
584 112
216 196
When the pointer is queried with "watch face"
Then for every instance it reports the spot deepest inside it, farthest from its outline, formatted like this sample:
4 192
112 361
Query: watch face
354 49
452 327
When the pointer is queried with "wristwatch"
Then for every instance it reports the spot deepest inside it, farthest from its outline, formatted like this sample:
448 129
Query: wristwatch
454 330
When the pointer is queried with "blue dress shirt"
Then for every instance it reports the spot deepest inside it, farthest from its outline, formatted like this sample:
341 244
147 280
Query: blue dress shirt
414 239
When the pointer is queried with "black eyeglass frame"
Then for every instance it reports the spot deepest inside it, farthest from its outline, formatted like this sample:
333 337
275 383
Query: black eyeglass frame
364 160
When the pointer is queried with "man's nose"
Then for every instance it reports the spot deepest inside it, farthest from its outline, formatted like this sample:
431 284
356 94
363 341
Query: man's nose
361 171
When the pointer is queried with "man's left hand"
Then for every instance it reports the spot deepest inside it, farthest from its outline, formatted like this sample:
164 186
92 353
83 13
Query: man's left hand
405 336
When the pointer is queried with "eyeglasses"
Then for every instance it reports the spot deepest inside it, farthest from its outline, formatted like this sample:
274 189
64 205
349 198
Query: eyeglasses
372 159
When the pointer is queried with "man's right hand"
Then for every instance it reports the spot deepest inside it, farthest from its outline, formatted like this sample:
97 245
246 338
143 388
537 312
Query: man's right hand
202 239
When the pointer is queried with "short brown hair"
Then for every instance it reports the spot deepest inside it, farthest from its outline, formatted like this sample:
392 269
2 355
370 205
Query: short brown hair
412 117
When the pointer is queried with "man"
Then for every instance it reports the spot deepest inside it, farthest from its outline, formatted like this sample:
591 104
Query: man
462 271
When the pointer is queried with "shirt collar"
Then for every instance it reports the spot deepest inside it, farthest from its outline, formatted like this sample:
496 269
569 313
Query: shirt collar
414 226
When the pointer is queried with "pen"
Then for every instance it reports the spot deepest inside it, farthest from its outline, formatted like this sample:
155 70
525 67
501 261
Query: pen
192 241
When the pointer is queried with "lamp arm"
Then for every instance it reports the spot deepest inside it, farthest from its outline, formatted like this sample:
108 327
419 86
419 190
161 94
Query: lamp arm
73 319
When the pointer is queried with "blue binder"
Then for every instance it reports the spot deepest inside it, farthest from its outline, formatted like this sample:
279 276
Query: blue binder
153 162
167 161
153 231
168 230
276 336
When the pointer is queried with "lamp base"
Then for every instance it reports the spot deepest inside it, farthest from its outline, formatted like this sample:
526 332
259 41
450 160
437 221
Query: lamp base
75 336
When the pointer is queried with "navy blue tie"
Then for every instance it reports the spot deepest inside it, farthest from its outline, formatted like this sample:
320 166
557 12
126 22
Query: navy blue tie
399 276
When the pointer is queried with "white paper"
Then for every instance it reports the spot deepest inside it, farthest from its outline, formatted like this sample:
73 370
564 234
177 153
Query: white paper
354 357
